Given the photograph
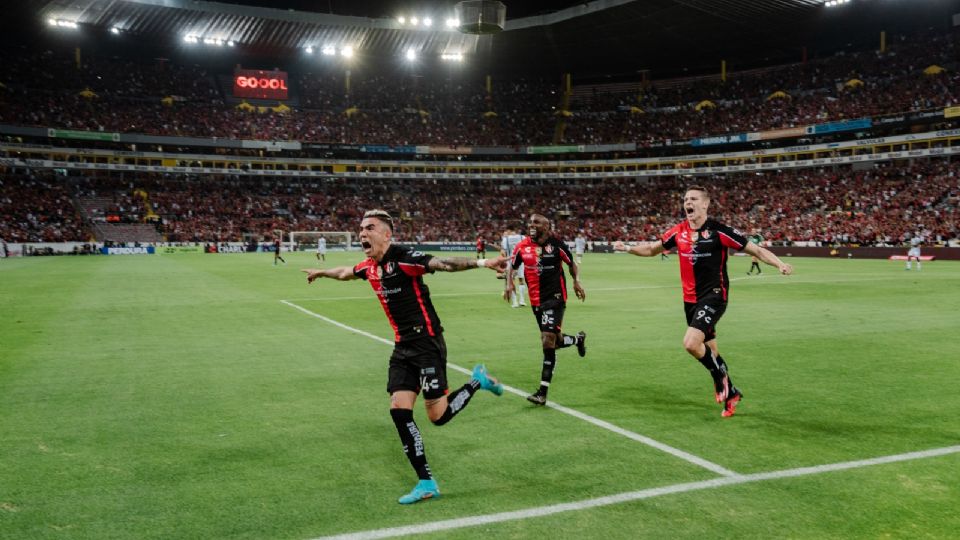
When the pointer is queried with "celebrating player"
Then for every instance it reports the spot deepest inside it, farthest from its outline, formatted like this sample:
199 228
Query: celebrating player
701 244
419 360
541 255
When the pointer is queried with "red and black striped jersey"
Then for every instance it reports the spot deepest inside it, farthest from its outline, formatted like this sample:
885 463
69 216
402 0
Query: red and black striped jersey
542 268
398 281
703 257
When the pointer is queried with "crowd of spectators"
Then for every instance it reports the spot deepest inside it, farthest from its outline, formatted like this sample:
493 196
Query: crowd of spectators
44 89
883 205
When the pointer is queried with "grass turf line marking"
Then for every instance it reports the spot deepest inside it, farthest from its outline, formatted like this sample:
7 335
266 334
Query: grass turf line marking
630 496
676 452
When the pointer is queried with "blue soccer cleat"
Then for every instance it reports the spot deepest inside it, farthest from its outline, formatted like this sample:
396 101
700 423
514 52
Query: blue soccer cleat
486 381
425 489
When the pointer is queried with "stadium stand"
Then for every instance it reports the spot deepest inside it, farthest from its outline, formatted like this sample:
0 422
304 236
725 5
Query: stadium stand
884 205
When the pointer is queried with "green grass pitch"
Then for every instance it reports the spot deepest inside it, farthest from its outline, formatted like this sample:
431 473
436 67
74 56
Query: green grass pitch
176 396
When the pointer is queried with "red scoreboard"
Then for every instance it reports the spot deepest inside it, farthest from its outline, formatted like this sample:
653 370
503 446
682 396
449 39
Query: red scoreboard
259 84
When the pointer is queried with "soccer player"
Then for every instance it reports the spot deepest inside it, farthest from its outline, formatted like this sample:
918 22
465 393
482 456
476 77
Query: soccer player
755 238
322 248
419 360
579 246
701 244
481 248
509 242
540 255
914 251
276 252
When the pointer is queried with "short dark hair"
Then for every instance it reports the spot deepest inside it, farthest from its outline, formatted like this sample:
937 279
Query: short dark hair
382 215
701 189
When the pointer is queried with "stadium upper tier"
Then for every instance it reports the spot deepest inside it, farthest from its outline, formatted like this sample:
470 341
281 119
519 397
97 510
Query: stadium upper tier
886 204
49 90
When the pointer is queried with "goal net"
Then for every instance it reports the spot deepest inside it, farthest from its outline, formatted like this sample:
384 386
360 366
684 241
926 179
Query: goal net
308 240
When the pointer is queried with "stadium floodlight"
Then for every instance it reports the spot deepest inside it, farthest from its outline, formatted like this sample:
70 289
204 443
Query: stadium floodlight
414 21
52 22
452 23
114 30
402 20
347 52
428 21
62 23
218 42
230 43
411 54
457 57
328 50
309 49
191 39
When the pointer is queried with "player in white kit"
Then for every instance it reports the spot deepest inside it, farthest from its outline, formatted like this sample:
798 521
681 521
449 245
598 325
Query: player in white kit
322 248
579 246
510 240
914 252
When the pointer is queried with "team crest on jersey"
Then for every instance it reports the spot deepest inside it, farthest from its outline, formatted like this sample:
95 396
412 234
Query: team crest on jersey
548 249
388 269
705 234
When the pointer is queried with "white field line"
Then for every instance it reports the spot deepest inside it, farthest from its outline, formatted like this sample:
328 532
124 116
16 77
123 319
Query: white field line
676 452
630 496
781 280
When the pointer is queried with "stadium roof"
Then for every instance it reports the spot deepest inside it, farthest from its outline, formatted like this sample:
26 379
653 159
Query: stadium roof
598 37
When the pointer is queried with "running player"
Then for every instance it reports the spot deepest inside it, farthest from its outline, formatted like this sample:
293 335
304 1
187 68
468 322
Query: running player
540 255
510 240
322 248
276 252
481 248
755 238
419 360
914 251
701 244
579 246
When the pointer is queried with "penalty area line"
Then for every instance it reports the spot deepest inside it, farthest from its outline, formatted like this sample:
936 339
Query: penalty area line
675 452
631 496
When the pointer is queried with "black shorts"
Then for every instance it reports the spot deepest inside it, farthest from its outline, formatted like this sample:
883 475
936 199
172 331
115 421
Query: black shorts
704 315
418 365
549 315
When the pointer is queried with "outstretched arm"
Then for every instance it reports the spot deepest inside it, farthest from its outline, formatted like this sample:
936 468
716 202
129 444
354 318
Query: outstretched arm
768 257
459 264
643 249
340 273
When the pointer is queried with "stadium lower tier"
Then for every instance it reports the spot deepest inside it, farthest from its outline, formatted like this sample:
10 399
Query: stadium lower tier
885 205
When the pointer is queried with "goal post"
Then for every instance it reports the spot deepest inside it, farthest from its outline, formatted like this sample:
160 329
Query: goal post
307 240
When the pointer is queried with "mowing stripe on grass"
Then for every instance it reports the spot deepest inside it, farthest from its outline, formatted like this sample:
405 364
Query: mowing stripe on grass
676 452
755 279
620 498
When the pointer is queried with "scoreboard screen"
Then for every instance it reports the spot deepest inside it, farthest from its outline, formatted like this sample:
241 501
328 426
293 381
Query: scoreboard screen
259 84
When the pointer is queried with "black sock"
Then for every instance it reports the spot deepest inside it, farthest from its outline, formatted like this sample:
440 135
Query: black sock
566 341
457 401
546 375
712 365
412 441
